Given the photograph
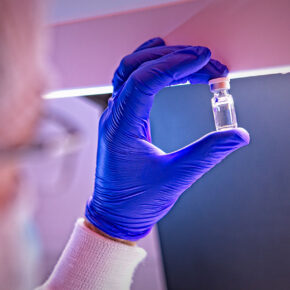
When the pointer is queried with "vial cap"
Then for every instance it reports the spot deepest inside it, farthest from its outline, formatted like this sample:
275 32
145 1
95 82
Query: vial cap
219 84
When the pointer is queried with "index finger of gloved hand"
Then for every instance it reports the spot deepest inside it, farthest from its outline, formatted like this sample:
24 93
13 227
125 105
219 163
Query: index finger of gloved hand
153 42
145 82
213 69
132 61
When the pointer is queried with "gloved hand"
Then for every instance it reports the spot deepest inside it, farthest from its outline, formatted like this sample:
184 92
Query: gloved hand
136 182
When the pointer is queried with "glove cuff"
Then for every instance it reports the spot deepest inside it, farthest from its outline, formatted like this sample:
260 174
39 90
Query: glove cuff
114 228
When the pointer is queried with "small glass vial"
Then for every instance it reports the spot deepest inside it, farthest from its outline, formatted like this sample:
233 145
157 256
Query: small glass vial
222 104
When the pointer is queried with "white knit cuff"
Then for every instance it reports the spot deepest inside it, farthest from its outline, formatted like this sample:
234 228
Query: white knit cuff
91 261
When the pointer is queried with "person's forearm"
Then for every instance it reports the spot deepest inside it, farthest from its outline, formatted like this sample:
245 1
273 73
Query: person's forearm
93 261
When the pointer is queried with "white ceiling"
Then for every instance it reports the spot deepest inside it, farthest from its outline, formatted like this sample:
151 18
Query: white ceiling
72 10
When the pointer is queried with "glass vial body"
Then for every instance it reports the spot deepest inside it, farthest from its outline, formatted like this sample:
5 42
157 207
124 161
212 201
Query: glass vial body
222 104
223 110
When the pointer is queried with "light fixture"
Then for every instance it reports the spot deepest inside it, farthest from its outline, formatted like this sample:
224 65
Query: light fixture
101 90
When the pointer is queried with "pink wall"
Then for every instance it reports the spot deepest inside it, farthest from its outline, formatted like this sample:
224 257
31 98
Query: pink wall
245 34
87 53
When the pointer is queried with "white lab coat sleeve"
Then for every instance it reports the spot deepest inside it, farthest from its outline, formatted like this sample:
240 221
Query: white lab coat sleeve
91 261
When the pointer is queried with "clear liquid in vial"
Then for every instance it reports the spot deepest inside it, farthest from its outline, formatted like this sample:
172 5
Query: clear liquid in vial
224 113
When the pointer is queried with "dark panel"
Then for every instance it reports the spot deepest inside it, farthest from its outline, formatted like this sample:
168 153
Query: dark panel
231 229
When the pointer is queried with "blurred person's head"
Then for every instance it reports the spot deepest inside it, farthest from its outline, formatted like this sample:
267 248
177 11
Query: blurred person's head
21 70
22 82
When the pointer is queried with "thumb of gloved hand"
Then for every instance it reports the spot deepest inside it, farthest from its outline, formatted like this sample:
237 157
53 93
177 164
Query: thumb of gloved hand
191 162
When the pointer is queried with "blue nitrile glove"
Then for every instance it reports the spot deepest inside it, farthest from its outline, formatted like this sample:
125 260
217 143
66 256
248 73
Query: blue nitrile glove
136 182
